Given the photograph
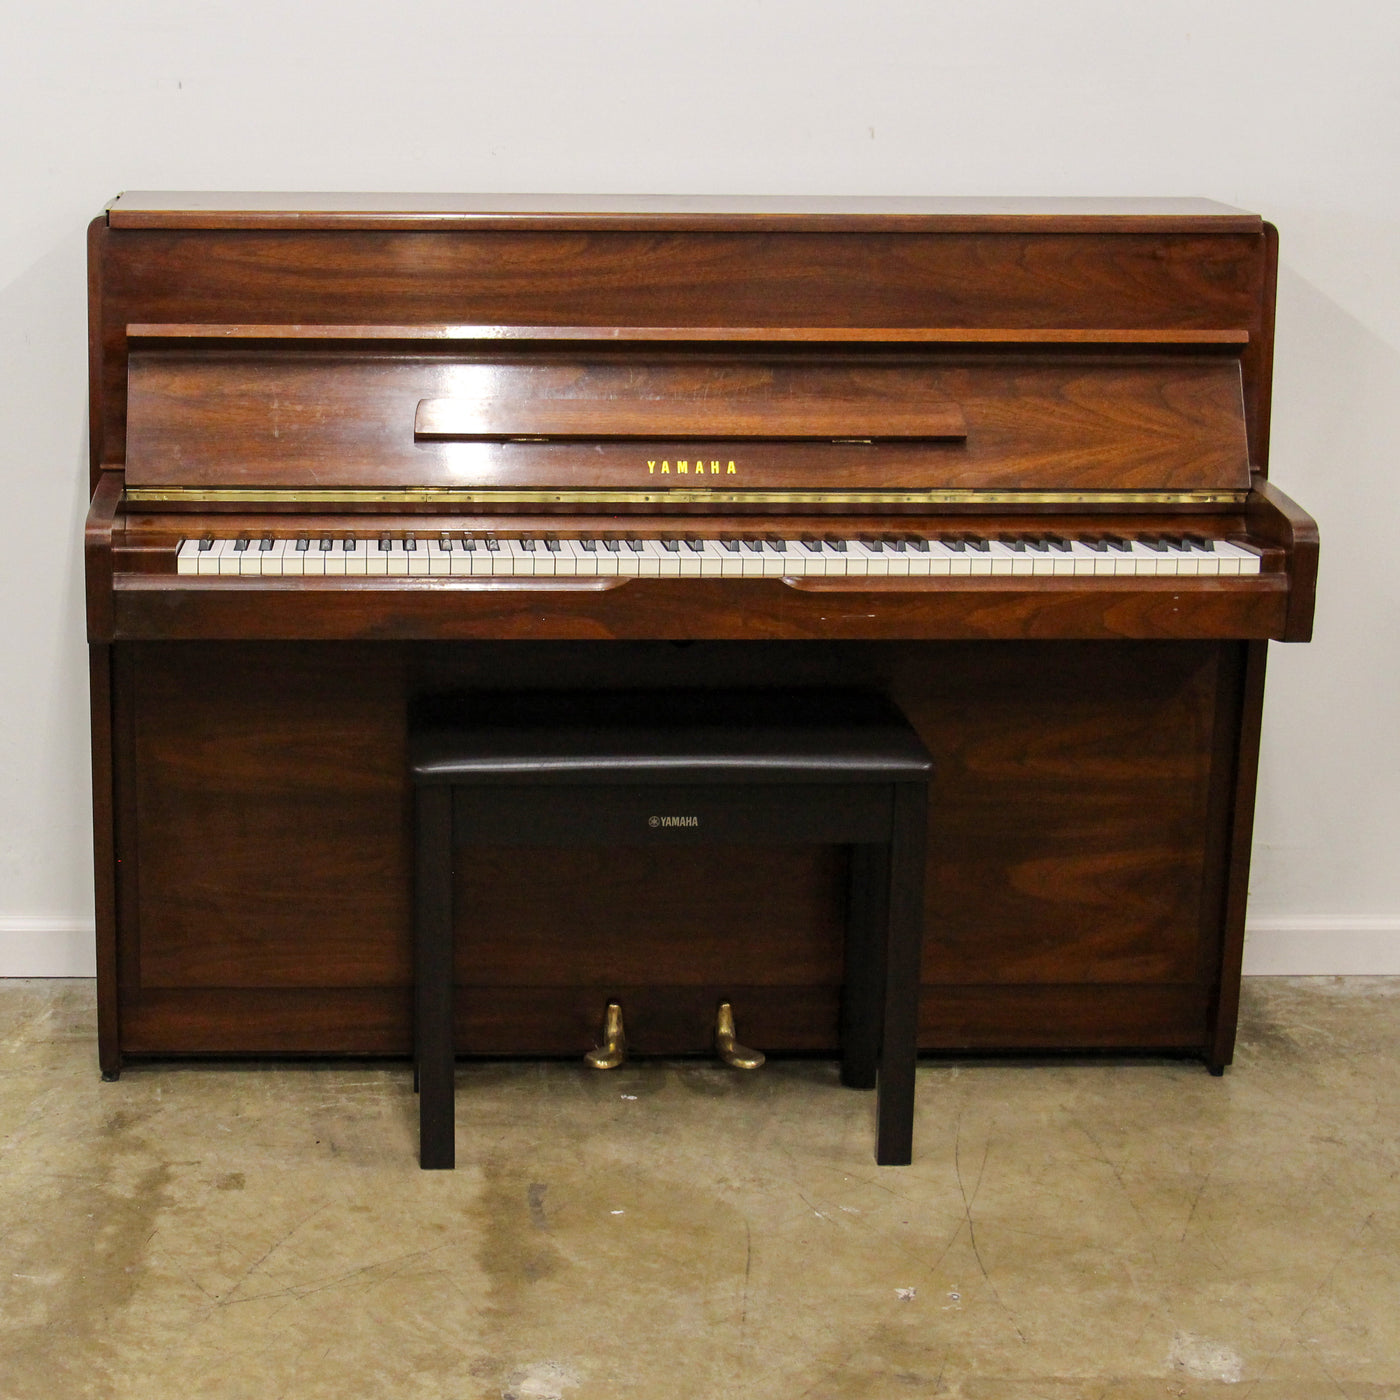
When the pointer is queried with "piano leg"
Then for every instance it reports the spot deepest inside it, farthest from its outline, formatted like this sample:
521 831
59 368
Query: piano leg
864 972
432 1019
894 1110
104 853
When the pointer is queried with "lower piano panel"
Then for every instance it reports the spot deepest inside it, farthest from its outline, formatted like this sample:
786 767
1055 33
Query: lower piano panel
1081 819
661 1020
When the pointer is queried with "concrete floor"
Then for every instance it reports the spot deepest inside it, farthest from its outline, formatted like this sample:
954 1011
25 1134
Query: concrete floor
678 1231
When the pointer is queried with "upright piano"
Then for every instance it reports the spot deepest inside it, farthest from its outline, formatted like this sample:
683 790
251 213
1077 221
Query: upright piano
354 457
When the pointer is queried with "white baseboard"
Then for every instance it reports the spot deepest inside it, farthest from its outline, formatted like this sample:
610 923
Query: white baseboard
42 947
1322 945
1307 945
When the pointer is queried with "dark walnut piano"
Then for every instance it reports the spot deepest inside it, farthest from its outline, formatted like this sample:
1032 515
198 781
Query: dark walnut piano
1004 462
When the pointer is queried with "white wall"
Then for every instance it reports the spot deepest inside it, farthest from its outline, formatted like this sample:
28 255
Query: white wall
1289 109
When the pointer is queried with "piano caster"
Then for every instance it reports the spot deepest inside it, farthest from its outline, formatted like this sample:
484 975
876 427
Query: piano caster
613 1051
733 1054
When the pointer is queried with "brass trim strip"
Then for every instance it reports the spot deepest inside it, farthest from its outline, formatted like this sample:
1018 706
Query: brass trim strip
451 496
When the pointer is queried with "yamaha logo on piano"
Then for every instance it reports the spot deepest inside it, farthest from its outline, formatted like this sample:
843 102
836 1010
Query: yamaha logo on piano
673 821
689 468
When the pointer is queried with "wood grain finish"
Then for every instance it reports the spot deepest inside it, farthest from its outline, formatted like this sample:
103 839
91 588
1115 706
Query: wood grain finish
1068 841
224 418
1095 740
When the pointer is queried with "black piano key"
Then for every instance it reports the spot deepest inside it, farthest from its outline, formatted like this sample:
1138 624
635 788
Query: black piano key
1093 542
1118 544
591 545
754 546
613 545
1013 542
1036 543
977 542
327 544
917 542
635 545
956 543
410 545
1199 542
671 546
206 544
777 545
872 544
1152 542
239 545
1058 543
469 543
551 543
527 543
265 543
836 543
348 544
812 543
493 545
303 544
695 544
730 543
893 542
445 542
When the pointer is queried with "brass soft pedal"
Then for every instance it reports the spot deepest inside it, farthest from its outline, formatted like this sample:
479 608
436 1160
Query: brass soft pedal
613 1051
729 1050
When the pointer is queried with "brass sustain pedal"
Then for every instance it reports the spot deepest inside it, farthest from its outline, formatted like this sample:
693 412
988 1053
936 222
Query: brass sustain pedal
613 1050
727 1048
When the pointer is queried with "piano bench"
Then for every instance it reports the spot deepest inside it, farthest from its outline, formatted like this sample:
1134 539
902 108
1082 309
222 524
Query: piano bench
821 768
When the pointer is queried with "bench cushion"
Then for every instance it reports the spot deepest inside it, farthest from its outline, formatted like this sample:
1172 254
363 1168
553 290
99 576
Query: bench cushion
687 737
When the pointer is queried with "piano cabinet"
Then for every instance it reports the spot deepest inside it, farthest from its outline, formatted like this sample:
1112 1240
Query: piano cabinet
1088 380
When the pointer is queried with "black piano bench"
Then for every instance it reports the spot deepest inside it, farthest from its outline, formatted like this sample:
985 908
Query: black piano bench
683 768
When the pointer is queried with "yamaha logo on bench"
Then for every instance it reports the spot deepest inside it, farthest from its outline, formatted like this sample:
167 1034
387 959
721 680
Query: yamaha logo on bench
673 821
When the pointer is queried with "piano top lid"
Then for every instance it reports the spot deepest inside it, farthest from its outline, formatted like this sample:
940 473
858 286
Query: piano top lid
714 213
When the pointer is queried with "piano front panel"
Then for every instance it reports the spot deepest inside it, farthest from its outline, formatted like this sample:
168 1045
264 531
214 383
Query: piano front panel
202 416
1069 850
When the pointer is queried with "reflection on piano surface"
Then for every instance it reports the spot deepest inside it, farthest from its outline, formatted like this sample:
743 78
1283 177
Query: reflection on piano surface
1005 462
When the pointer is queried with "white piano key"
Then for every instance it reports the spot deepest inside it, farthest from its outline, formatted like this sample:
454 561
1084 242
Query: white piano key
187 557
208 559
395 559
333 559
272 559
439 559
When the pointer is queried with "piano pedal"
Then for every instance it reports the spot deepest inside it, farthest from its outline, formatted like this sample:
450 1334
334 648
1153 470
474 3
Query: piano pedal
613 1051
729 1050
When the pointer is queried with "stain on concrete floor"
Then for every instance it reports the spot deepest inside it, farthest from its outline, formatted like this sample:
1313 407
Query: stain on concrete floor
1089 1231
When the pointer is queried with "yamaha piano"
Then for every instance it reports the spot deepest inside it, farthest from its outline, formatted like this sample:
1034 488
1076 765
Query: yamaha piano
1003 462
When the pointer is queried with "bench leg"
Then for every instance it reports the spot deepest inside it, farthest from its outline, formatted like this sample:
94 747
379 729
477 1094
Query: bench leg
862 987
894 1112
432 978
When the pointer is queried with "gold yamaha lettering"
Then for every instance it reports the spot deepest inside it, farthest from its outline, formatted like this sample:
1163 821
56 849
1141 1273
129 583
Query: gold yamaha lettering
689 468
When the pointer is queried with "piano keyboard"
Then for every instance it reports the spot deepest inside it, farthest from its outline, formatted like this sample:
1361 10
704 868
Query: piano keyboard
735 556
